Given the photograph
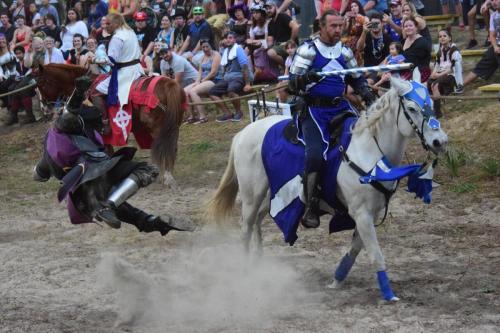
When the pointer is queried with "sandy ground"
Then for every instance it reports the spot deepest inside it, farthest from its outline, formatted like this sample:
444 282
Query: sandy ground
443 260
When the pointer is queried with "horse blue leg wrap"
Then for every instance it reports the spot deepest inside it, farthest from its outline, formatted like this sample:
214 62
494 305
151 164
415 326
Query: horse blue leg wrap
385 286
344 267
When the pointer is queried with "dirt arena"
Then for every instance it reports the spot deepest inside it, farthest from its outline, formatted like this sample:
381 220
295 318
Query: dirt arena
443 259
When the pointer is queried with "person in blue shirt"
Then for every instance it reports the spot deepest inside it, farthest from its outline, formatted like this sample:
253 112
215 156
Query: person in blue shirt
323 99
371 6
394 21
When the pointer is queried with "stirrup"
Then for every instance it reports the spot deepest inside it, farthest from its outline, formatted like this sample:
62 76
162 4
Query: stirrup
108 216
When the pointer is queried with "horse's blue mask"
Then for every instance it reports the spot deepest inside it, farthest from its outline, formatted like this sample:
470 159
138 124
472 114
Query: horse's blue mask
419 94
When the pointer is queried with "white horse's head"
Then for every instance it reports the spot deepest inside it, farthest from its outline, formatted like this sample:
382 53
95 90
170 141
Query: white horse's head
416 115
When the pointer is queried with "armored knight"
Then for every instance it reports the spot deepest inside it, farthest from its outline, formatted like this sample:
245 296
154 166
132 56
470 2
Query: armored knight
95 184
322 99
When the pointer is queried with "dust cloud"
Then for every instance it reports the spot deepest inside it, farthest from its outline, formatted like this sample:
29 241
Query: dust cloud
212 286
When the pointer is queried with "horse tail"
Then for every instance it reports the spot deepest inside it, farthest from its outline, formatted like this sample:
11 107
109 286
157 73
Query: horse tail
221 204
164 148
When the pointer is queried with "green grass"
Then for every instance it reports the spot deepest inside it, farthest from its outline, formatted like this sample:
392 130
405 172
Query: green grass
454 159
491 167
464 188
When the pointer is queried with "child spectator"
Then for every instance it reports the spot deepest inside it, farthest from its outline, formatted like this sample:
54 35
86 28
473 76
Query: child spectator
447 72
395 57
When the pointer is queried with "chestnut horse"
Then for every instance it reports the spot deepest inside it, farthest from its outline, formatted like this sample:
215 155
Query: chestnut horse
58 81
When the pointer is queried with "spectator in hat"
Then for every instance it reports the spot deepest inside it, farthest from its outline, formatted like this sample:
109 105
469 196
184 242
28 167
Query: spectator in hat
282 28
199 29
239 22
235 79
394 21
145 34
181 30
177 67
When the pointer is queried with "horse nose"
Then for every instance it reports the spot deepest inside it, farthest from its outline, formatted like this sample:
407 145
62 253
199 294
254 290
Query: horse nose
439 144
436 143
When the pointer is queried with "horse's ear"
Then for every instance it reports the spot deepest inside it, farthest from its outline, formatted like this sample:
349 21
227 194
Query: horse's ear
416 75
401 86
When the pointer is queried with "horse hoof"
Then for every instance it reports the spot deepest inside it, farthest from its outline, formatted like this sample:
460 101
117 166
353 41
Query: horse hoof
394 299
335 284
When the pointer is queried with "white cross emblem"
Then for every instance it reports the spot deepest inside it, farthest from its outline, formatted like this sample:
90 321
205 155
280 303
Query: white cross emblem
122 119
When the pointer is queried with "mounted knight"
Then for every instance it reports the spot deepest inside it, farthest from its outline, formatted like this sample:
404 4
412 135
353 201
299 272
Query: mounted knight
95 184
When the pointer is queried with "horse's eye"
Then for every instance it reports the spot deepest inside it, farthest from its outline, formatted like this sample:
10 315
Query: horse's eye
412 109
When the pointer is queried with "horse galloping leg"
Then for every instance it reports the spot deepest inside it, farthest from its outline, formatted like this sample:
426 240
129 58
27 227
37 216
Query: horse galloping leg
367 233
347 262
263 210
252 198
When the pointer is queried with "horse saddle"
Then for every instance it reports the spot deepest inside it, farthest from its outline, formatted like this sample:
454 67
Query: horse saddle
290 132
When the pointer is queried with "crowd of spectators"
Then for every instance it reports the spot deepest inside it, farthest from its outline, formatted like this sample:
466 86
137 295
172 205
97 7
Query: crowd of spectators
217 48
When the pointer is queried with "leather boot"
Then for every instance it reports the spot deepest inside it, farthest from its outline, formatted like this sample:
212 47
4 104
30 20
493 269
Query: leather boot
311 218
108 216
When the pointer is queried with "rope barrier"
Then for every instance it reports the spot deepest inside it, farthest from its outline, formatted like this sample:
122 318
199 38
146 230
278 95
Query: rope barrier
18 90
261 91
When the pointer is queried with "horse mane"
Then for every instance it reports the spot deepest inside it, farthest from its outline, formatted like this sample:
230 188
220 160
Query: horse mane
370 118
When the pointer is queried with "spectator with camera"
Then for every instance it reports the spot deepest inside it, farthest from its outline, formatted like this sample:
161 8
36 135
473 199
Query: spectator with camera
374 43
394 21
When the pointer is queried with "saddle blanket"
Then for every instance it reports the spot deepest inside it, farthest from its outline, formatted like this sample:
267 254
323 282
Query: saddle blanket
141 94
284 163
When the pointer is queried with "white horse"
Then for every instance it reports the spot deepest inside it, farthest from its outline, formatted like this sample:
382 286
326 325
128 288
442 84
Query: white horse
388 122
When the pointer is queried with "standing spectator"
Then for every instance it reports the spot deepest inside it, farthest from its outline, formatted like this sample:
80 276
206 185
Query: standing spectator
447 71
355 20
394 21
22 35
488 64
282 28
52 30
416 49
53 55
7 28
199 29
18 9
177 67
374 43
445 6
74 25
145 34
23 98
181 30
98 9
102 34
47 8
36 18
208 75
475 9
409 10
235 79
77 53
321 6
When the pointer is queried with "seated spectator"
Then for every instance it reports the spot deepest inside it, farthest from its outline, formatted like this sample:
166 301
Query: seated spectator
177 67
46 8
416 49
257 34
22 35
445 7
6 27
77 55
394 21
164 35
282 28
373 44
74 25
156 58
239 22
36 18
97 10
199 29
53 55
208 75
181 30
374 6
145 34
235 79
488 64
22 98
408 10
265 69
448 64
50 29
395 57
355 19
5 57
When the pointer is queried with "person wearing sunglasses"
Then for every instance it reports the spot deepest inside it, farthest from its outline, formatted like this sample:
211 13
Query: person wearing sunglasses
199 29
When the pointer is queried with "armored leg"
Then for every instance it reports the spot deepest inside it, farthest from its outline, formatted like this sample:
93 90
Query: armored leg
311 218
